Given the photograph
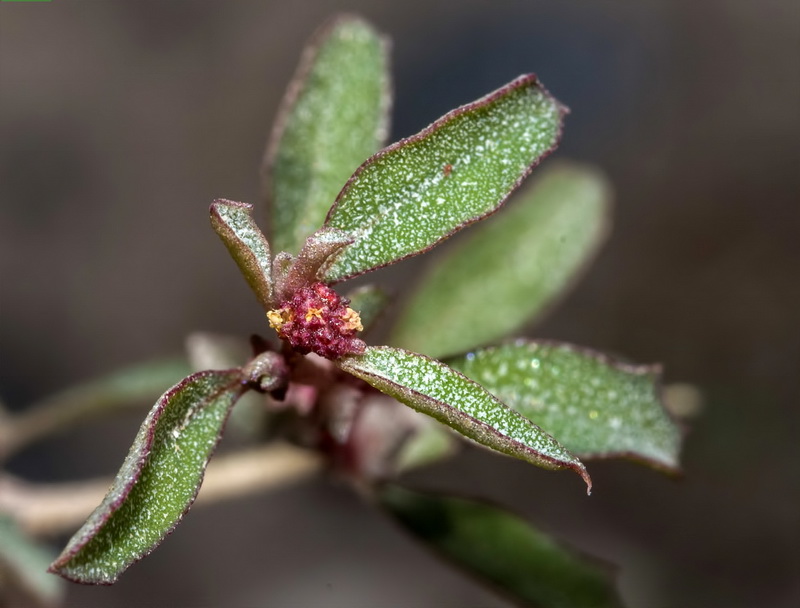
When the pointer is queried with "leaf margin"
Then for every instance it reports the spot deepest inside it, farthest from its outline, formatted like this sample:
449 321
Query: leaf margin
138 460
653 370
255 266
517 449
295 88
519 82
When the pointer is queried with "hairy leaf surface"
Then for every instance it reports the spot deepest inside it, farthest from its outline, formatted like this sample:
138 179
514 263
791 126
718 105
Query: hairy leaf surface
435 389
420 190
502 550
246 244
335 115
157 482
511 268
596 407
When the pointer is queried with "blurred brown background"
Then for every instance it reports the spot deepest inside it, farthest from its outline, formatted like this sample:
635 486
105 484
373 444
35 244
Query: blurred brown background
121 121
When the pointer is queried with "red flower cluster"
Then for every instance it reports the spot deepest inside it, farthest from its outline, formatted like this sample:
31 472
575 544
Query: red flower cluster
317 320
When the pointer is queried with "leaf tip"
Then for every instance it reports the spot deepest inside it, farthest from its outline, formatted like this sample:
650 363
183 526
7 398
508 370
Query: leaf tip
223 202
584 473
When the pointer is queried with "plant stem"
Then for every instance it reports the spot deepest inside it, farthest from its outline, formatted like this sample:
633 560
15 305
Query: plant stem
131 387
51 509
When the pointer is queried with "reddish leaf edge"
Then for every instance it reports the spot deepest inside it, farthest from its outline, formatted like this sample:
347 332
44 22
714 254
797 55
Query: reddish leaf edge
519 82
295 88
72 550
264 290
578 468
654 370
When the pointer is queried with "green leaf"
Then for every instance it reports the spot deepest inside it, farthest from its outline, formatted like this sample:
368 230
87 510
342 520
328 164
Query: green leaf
335 115
502 550
595 406
246 244
511 268
415 193
433 388
157 482
370 301
23 565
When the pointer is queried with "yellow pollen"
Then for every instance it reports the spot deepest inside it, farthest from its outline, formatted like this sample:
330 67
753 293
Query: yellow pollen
278 317
352 320
314 312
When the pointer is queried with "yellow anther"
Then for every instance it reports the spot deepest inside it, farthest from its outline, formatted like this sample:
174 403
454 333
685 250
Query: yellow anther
278 317
352 320
314 312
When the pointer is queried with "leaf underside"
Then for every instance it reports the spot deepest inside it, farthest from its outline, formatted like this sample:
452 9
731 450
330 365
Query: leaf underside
335 115
502 550
420 190
595 406
157 482
435 389
511 268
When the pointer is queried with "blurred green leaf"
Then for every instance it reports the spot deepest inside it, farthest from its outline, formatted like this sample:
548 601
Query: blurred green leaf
415 193
23 569
370 302
502 550
511 268
123 387
595 406
130 386
157 482
334 116
433 388
246 244
428 444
